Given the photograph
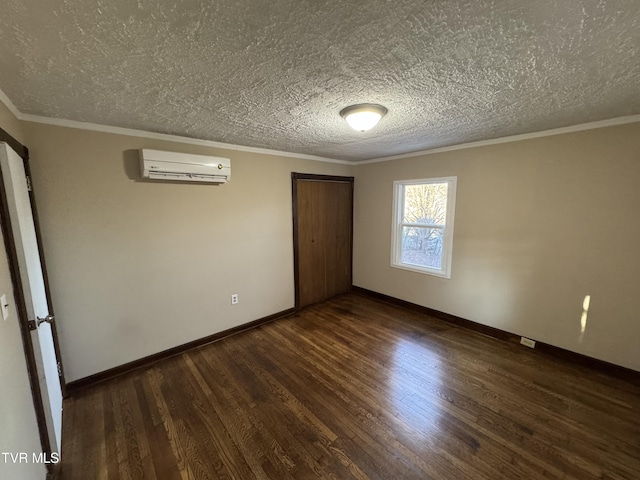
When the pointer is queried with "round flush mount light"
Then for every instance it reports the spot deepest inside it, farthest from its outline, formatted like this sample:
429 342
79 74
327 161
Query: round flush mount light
364 116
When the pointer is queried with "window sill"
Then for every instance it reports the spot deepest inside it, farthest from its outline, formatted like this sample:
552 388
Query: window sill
424 270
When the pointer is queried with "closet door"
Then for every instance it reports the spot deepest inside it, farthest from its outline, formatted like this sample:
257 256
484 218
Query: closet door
322 235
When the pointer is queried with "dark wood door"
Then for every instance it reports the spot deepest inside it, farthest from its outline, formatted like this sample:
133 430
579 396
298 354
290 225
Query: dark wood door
323 236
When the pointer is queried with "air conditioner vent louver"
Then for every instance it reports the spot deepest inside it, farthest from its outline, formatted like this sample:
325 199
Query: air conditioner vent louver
184 167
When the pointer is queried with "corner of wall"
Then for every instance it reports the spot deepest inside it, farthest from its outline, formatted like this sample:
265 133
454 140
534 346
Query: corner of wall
9 120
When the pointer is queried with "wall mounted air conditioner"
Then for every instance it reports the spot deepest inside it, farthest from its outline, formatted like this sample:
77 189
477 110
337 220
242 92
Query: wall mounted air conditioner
185 167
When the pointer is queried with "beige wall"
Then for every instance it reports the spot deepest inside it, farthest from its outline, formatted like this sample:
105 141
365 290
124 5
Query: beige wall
19 430
539 224
139 267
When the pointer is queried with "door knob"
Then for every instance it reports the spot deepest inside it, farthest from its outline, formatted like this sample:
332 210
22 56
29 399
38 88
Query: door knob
47 319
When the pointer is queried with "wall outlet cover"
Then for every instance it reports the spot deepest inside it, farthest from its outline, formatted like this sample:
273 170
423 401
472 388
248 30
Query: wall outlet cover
5 307
528 342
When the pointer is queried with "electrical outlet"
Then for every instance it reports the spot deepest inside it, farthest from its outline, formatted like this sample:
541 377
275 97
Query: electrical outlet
234 299
5 307
528 342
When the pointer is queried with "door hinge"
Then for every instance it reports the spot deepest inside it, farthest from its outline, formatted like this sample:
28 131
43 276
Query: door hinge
28 184
59 365
32 325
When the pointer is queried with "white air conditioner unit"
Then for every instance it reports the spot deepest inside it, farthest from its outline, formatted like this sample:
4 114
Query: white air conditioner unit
185 167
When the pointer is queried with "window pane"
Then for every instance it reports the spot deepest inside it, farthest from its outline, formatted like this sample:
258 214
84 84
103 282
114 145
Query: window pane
422 246
425 203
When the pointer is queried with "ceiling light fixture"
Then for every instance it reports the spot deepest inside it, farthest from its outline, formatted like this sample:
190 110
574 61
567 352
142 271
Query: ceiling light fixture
363 117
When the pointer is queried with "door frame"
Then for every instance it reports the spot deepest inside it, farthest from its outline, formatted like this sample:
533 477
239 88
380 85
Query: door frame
295 176
19 296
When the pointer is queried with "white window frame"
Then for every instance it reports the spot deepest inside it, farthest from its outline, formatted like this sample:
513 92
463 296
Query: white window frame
398 213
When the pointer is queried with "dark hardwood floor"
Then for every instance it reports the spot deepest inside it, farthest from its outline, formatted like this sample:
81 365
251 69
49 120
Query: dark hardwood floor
355 389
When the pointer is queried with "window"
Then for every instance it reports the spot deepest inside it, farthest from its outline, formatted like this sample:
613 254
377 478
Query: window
423 225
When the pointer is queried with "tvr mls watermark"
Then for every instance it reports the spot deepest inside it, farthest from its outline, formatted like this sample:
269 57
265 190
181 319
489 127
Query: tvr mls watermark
24 457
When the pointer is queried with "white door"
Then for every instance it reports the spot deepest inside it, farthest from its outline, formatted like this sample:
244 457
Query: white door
24 235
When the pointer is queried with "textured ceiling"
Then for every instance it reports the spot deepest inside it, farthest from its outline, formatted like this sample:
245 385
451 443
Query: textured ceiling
275 74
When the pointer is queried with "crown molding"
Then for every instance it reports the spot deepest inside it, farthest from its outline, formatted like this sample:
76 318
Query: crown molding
9 104
611 122
265 151
94 127
59 122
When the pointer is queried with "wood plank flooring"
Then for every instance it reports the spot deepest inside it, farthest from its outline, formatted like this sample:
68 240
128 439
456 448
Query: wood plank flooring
355 389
